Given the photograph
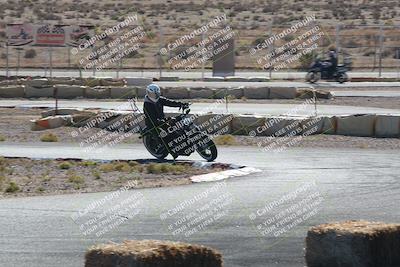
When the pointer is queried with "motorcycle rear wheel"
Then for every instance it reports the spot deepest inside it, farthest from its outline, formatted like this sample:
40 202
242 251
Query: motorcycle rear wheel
155 146
208 151
312 77
342 78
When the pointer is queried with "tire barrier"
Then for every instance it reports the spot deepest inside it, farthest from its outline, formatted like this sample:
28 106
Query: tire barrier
256 93
218 124
387 126
282 92
37 92
356 125
235 79
98 92
214 79
202 92
369 125
12 91
177 93
123 92
245 125
353 243
137 81
168 79
152 253
44 88
66 81
309 93
51 122
258 79
70 91
38 83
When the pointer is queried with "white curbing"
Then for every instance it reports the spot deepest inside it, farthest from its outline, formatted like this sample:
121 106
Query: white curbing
222 175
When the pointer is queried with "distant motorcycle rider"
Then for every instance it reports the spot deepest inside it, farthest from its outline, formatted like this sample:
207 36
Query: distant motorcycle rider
333 61
154 106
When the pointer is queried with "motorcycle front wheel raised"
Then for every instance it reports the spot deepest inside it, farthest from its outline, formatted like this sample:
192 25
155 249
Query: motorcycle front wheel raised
155 146
208 151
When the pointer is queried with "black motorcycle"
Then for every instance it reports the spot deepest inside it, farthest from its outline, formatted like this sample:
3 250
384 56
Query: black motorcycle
179 136
323 70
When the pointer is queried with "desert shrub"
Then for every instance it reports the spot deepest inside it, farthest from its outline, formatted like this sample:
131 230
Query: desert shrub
65 166
76 179
158 168
227 140
12 187
88 163
30 53
2 138
49 137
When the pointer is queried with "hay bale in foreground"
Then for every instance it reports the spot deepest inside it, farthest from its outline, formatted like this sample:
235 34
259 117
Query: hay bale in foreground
353 243
152 253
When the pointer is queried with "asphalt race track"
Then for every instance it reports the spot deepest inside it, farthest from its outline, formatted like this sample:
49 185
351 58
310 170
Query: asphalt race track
354 184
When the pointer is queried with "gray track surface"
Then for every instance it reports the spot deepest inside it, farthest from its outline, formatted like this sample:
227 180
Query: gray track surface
233 108
356 184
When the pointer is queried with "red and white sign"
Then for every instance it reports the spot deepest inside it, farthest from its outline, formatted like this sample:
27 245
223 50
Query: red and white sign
78 34
50 35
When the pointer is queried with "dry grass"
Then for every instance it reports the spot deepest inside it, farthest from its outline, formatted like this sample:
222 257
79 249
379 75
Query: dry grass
225 140
49 137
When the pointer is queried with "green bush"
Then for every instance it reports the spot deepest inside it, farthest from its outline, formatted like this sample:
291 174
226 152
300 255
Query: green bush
12 187
65 166
2 138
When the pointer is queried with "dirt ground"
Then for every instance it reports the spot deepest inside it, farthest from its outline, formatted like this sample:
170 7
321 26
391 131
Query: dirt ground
29 177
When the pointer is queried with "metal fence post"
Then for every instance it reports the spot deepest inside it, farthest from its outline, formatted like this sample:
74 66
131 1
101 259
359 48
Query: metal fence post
380 50
18 59
337 39
271 47
51 61
94 64
69 57
160 59
203 58
7 63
